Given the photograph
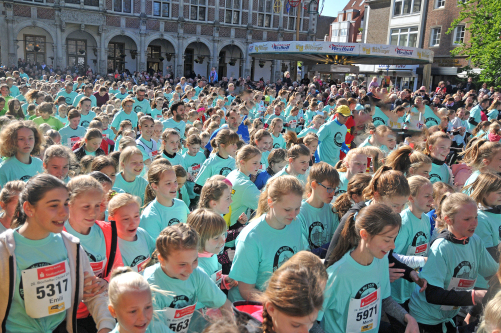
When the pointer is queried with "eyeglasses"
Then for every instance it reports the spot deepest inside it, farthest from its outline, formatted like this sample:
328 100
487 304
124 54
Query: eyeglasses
328 189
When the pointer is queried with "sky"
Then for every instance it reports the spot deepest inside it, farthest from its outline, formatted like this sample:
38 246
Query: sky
332 7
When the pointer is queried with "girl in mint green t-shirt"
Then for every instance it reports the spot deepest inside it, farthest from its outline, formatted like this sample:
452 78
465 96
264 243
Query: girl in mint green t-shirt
264 142
318 221
211 228
354 163
187 284
18 164
485 190
130 166
275 128
269 240
136 245
358 289
162 208
299 162
437 148
414 237
57 160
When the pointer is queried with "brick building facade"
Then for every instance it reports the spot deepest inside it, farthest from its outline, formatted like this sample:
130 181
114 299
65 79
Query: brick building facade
180 35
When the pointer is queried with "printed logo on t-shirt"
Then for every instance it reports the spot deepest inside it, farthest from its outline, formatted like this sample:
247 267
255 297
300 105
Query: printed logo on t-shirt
316 235
376 119
367 289
180 302
36 265
276 145
97 263
68 100
25 178
138 109
282 255
431 120
85 123
225 171
172 222
338 139
435 178
464 270
420 242
139 261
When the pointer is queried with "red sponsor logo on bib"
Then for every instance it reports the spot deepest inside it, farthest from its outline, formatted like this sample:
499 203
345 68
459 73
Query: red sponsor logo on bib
97 266
421 248
368 299
154 153
51 271
466 283
185 311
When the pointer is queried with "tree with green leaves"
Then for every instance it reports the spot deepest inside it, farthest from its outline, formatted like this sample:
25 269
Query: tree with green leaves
482 19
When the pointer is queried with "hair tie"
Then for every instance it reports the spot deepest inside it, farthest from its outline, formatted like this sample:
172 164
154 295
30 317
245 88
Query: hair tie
227 182
355 216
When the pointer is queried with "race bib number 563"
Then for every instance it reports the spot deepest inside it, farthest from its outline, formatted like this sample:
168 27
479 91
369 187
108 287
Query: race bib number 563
47 290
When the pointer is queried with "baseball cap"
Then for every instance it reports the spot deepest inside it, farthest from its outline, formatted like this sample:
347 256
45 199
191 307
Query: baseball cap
344 110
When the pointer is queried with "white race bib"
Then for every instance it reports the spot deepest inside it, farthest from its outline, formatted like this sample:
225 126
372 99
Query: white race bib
194 169
178 320
72 141
458 284
363 314
47 290
217 277
98 268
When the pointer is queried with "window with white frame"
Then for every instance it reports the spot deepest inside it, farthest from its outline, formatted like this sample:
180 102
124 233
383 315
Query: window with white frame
348 16
343 32
161 8
122 6
435 36
439 3
335 32
198 10
459 34
404 36
340 18
233 8
265 13
406 7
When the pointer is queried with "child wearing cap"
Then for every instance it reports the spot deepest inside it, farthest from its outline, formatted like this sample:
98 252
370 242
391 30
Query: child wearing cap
332 135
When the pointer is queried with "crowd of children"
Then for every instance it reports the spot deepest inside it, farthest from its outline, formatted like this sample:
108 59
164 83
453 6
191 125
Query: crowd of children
181 209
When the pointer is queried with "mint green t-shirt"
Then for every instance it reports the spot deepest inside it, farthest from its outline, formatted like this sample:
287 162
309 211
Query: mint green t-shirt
245 197
261 250
136 254
62 120
278 142
471 179
143 106
440 173
121 116
379 118
94 245
349 282
307 130
430 118
176 160
12 169
331 136
317 224
31 254
448 260
156 114
156 217
215 165
121 96
93 100
489 231
135 187
264 161
268 119
181 293
87 118
109 134
343 183
293 122
413 240
70 136
68 97
182 194
211 267
178 126
302 178
193 165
